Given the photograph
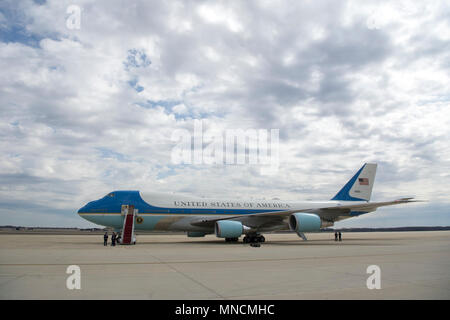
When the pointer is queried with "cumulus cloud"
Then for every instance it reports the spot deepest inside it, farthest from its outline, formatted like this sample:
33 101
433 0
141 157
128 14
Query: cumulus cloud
89 110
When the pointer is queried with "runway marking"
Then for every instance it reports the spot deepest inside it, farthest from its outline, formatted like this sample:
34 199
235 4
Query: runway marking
210 261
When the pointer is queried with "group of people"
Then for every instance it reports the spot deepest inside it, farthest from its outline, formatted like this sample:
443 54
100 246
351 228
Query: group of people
337 235
114 238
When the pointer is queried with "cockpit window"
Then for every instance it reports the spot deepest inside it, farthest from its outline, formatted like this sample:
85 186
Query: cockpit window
110 194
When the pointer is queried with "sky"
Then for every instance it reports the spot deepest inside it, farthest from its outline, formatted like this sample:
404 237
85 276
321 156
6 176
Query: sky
91 93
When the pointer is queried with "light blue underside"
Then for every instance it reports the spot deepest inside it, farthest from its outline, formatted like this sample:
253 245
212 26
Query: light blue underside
116 221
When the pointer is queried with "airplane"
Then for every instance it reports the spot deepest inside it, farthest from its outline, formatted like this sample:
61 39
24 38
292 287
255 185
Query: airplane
126 211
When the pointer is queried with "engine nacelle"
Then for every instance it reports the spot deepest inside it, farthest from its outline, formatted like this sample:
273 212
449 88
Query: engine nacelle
304 222
229 229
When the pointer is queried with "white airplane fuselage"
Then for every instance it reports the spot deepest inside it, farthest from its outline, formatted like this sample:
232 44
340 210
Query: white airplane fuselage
161 212
230 219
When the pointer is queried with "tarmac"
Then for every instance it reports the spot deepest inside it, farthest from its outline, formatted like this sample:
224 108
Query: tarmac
413 265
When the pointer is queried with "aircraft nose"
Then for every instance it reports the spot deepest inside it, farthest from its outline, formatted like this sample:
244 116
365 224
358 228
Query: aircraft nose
81 210
87 207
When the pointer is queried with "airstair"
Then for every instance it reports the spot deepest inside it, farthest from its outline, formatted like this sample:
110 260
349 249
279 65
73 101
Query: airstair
129 213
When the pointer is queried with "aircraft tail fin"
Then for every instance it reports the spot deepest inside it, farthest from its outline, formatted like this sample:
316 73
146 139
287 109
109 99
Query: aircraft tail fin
359 187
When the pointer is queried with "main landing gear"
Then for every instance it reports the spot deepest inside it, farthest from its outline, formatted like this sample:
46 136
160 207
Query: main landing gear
254 238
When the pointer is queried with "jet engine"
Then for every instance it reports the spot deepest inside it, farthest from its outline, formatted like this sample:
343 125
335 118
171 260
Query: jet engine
229 229
304 222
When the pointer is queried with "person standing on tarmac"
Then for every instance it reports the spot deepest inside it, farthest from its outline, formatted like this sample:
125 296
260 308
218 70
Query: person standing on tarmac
113 239
105 239
336 236
340 236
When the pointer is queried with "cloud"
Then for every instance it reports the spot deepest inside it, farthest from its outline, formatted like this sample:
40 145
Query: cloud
86 111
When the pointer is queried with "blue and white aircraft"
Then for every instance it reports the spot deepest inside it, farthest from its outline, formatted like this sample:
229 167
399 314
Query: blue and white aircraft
129 210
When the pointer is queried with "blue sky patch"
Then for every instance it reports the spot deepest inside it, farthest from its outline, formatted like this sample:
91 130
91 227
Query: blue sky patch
134 84
136 59
110 154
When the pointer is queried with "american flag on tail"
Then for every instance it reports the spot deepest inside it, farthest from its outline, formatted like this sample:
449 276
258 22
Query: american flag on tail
363 181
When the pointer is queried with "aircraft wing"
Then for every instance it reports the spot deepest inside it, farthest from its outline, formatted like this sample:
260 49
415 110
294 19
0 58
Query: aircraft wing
337 213
277 219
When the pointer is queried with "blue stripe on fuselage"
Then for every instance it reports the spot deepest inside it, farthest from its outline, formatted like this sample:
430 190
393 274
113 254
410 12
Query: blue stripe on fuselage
113 204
